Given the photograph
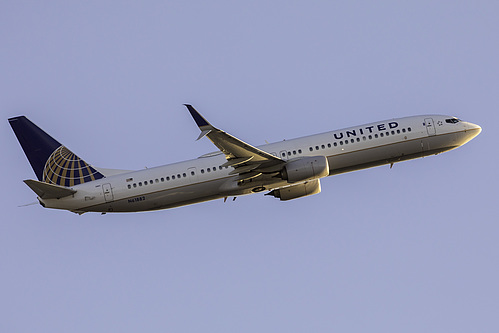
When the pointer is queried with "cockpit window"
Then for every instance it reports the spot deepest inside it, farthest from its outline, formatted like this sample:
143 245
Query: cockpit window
452 120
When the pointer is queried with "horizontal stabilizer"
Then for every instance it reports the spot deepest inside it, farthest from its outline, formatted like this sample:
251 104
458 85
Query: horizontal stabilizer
49 191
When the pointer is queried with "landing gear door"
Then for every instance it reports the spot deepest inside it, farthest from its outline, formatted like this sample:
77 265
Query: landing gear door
430 126
108 192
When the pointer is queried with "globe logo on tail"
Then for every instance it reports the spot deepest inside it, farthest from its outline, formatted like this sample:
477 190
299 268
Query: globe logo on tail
64 168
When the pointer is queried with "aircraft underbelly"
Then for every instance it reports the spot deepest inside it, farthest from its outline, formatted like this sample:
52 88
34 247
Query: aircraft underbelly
180 196
391 153
370 155
160 199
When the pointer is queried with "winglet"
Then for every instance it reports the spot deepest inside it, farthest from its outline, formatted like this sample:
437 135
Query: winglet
202 123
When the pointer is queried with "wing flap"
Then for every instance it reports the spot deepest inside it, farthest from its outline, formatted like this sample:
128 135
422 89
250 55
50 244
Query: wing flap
249 175
244 168
236 161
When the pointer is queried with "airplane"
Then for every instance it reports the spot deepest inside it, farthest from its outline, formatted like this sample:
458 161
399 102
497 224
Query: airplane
286 170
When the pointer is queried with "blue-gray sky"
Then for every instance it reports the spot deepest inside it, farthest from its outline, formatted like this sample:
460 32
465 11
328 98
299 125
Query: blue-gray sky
410 249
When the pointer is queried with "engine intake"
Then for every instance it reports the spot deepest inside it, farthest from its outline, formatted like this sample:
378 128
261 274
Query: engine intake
305 168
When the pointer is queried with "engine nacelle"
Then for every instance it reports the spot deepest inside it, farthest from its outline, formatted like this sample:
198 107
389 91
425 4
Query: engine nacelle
297 191
305 168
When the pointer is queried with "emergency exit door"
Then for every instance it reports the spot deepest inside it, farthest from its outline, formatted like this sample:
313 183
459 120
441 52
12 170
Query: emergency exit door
108 192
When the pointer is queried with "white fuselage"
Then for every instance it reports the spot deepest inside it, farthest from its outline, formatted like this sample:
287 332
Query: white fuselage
205 179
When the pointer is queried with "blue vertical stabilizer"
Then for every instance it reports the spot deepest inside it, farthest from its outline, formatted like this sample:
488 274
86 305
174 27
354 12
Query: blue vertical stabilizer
52 162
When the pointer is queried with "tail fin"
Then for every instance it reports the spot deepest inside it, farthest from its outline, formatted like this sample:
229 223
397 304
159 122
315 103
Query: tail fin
52 162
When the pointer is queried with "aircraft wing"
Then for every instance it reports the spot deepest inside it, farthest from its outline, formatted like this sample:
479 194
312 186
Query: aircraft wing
248 161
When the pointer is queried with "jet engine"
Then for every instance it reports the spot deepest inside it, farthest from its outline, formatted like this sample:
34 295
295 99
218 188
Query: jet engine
305 168
297 191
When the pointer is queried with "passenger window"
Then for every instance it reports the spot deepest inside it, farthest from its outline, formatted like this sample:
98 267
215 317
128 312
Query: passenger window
352 140
346 142
145 183
140 183
150 182
398 131
162 179
178 176
364 138
184 175
358 139
341 143
208 170
202 170
381 134
192 173
289 153
387 133
220 168
129 186
393 132
329 145
335 144
323 147
299 151
408 129
134 185
294 152
375 136
403 130
173 177
316 147
370 137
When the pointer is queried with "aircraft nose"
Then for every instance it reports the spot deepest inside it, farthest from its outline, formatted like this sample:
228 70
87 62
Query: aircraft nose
474 127
472 130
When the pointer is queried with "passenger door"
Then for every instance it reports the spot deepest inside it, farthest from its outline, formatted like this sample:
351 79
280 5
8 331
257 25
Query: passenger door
430 126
